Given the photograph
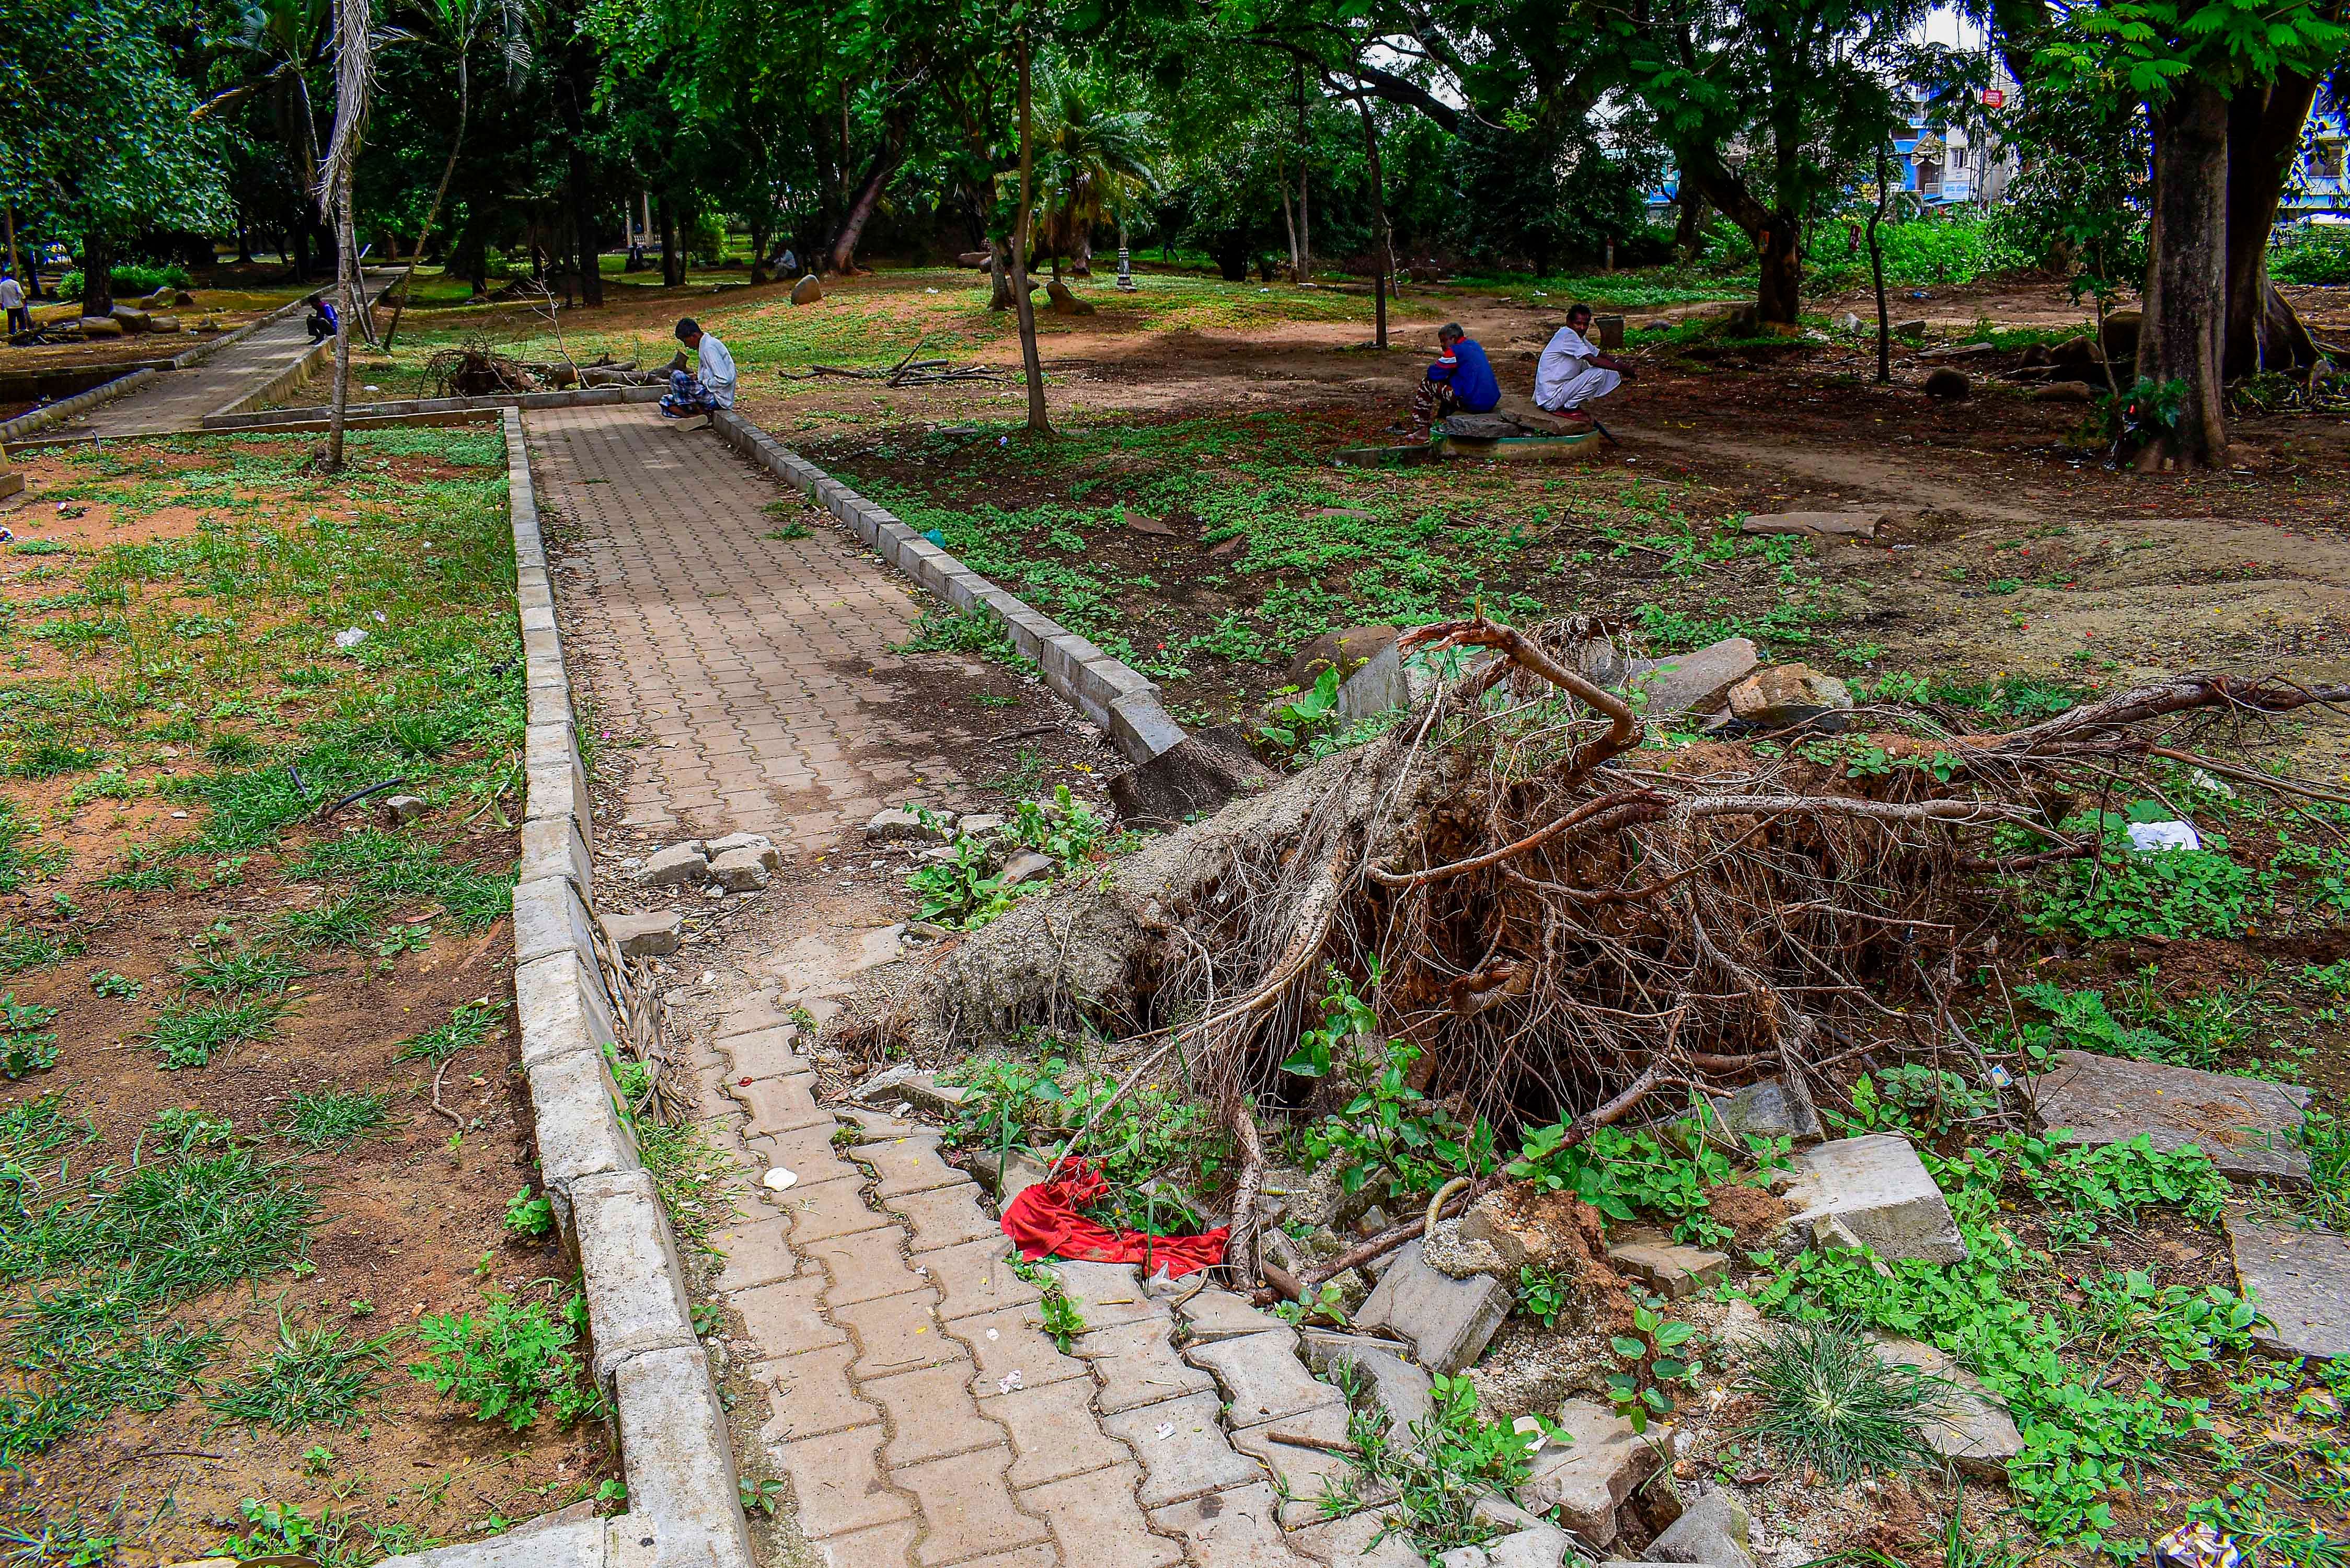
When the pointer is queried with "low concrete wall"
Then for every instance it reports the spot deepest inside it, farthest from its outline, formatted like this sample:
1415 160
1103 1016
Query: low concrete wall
419 410
81 402
685 1505
1107 690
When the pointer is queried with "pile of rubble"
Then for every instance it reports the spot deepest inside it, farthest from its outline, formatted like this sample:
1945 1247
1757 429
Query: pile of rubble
740 863
127 319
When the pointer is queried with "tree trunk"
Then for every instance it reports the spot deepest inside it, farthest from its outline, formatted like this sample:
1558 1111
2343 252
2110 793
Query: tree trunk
1877 272
1304 202
1289 224
440 194
1384 264
1689 230
344 305
1779 297
1021 304
2262 332
840 253
97 273
583 228
2184 306
673 259
760 236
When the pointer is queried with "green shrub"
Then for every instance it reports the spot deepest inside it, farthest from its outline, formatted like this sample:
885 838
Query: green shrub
507 1365
1826 1400
129 278
25 1045
2122 892
2315 255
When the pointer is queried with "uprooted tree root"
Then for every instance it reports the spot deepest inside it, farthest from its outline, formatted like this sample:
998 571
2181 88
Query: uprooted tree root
1557 915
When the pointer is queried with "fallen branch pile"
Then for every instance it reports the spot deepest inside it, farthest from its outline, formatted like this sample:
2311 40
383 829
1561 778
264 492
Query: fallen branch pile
908 371
1569 925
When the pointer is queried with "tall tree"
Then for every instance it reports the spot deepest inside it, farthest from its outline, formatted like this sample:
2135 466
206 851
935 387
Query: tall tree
354 74
1032 366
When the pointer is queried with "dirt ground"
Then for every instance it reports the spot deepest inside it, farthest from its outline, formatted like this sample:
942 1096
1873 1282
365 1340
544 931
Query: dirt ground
410 1215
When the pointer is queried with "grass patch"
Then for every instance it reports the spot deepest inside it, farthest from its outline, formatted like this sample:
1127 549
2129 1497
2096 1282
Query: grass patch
1828 1402
470 1025
241 970
311 1378
191 1036
320 1121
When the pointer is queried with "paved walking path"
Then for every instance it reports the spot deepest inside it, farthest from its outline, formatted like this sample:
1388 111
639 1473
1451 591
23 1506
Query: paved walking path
922 1414
176 400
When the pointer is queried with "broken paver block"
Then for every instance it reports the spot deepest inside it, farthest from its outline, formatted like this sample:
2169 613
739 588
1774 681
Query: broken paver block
1879 1188
1449 1322
1671 1271
1832 524
1007 1176
1590 1478
2245 1125
2300 1280
1712 1531
1697 683
1215 1314
740 870
1971 1429
1106 1296
1526 1542
1262 1377
655 934
1787 694
679 865
1026 866
1767 1109
758 843
1403 1389
898 824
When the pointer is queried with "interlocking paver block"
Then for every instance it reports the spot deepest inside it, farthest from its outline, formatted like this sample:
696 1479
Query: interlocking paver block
786 1317
907 1165
969 1507
1231 1529
1262 1377
808 1395
1136 1365
944 1217
831 1209
864 1266
778 1105
977 1277
1094 1519
899 1334
1054 1431
1009 1340
1106 1294
836 1481
756 1254
932 1414
1183 1448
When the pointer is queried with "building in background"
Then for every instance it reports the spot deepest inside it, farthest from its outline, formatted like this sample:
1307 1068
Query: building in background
2318 191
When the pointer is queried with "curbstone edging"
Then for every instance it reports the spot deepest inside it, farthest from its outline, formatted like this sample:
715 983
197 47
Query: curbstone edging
1108 690
64 409
684 1508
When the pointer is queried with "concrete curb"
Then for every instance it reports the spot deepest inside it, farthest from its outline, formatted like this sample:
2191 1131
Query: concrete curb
419 408
81 402
1105 689
684 1508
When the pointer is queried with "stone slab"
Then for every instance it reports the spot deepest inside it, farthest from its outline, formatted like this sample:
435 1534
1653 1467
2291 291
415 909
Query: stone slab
1877 1188
1183 1448
1818 524
1588 1479
1711 1530
1403 1389
1971 1429
2299 1280
2245 1125
1697 682
1449 1322
1672 1272
1262 1379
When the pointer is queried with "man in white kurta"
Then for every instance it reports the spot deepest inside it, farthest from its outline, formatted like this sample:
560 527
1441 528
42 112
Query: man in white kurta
712 387
1573 370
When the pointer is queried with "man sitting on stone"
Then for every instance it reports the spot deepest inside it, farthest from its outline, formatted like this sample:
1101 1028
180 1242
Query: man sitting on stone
1573 372
320 322
690 394
1462 380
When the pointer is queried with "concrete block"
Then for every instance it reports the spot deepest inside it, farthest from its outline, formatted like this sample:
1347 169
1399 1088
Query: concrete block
1141 728
628 1262
2299 1280
1403 1389
1217 1314
1182 1447
2244 1124
1106 1296
550 704
549 916
576 1544
758 843
1876 1187
685 864
680 1464
1697 683
1672 1272
1262 1379
553 847
1971 1429
1712 1531
559 790
1449 1322
740 870
1767 1109
560 1005
1590 1477
654 934
579 1131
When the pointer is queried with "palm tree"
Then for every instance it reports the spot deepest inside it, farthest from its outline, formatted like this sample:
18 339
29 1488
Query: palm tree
1096 162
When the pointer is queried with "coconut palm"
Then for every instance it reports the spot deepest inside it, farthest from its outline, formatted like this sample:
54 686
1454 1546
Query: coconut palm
1096 163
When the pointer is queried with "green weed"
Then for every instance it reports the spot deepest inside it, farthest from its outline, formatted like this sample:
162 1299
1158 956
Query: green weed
505 1366
317 1121
188 1036
528 1216
26 1045
311 1378
240 971
1826 1400
469 1025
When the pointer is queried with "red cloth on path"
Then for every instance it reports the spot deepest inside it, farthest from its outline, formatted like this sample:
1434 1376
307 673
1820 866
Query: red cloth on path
1043 1222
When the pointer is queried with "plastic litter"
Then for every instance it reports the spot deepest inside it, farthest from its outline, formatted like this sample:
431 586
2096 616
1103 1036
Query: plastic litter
2153 838
350 637
2197 1546
935 537
778 1179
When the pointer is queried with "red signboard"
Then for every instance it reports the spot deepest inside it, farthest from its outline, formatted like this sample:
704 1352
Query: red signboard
1993 98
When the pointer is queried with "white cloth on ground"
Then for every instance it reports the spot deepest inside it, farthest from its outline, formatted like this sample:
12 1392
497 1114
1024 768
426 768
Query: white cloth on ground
717 374
1567 376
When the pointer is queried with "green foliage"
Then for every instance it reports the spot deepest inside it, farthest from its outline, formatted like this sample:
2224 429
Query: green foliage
1658 1355
469 1023
1153 1130
1920 253
2087 1182
1540 1294
2169 893
957 631
1438 1469
1392 1133
1345 1017
507 1364
1626 1174
966 891
528 1216
2318 255
189 1035
1307 715
1913 1098
312 1377
26 1046
1826 1400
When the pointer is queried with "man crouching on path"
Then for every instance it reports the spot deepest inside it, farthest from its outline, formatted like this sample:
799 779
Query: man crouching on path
1573 370
1460 381
712 388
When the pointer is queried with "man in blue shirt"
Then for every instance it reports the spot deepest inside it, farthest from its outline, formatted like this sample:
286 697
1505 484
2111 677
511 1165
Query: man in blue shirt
1460 382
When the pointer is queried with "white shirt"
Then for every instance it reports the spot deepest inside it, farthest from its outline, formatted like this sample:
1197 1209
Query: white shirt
1567 356
12 294
717 375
